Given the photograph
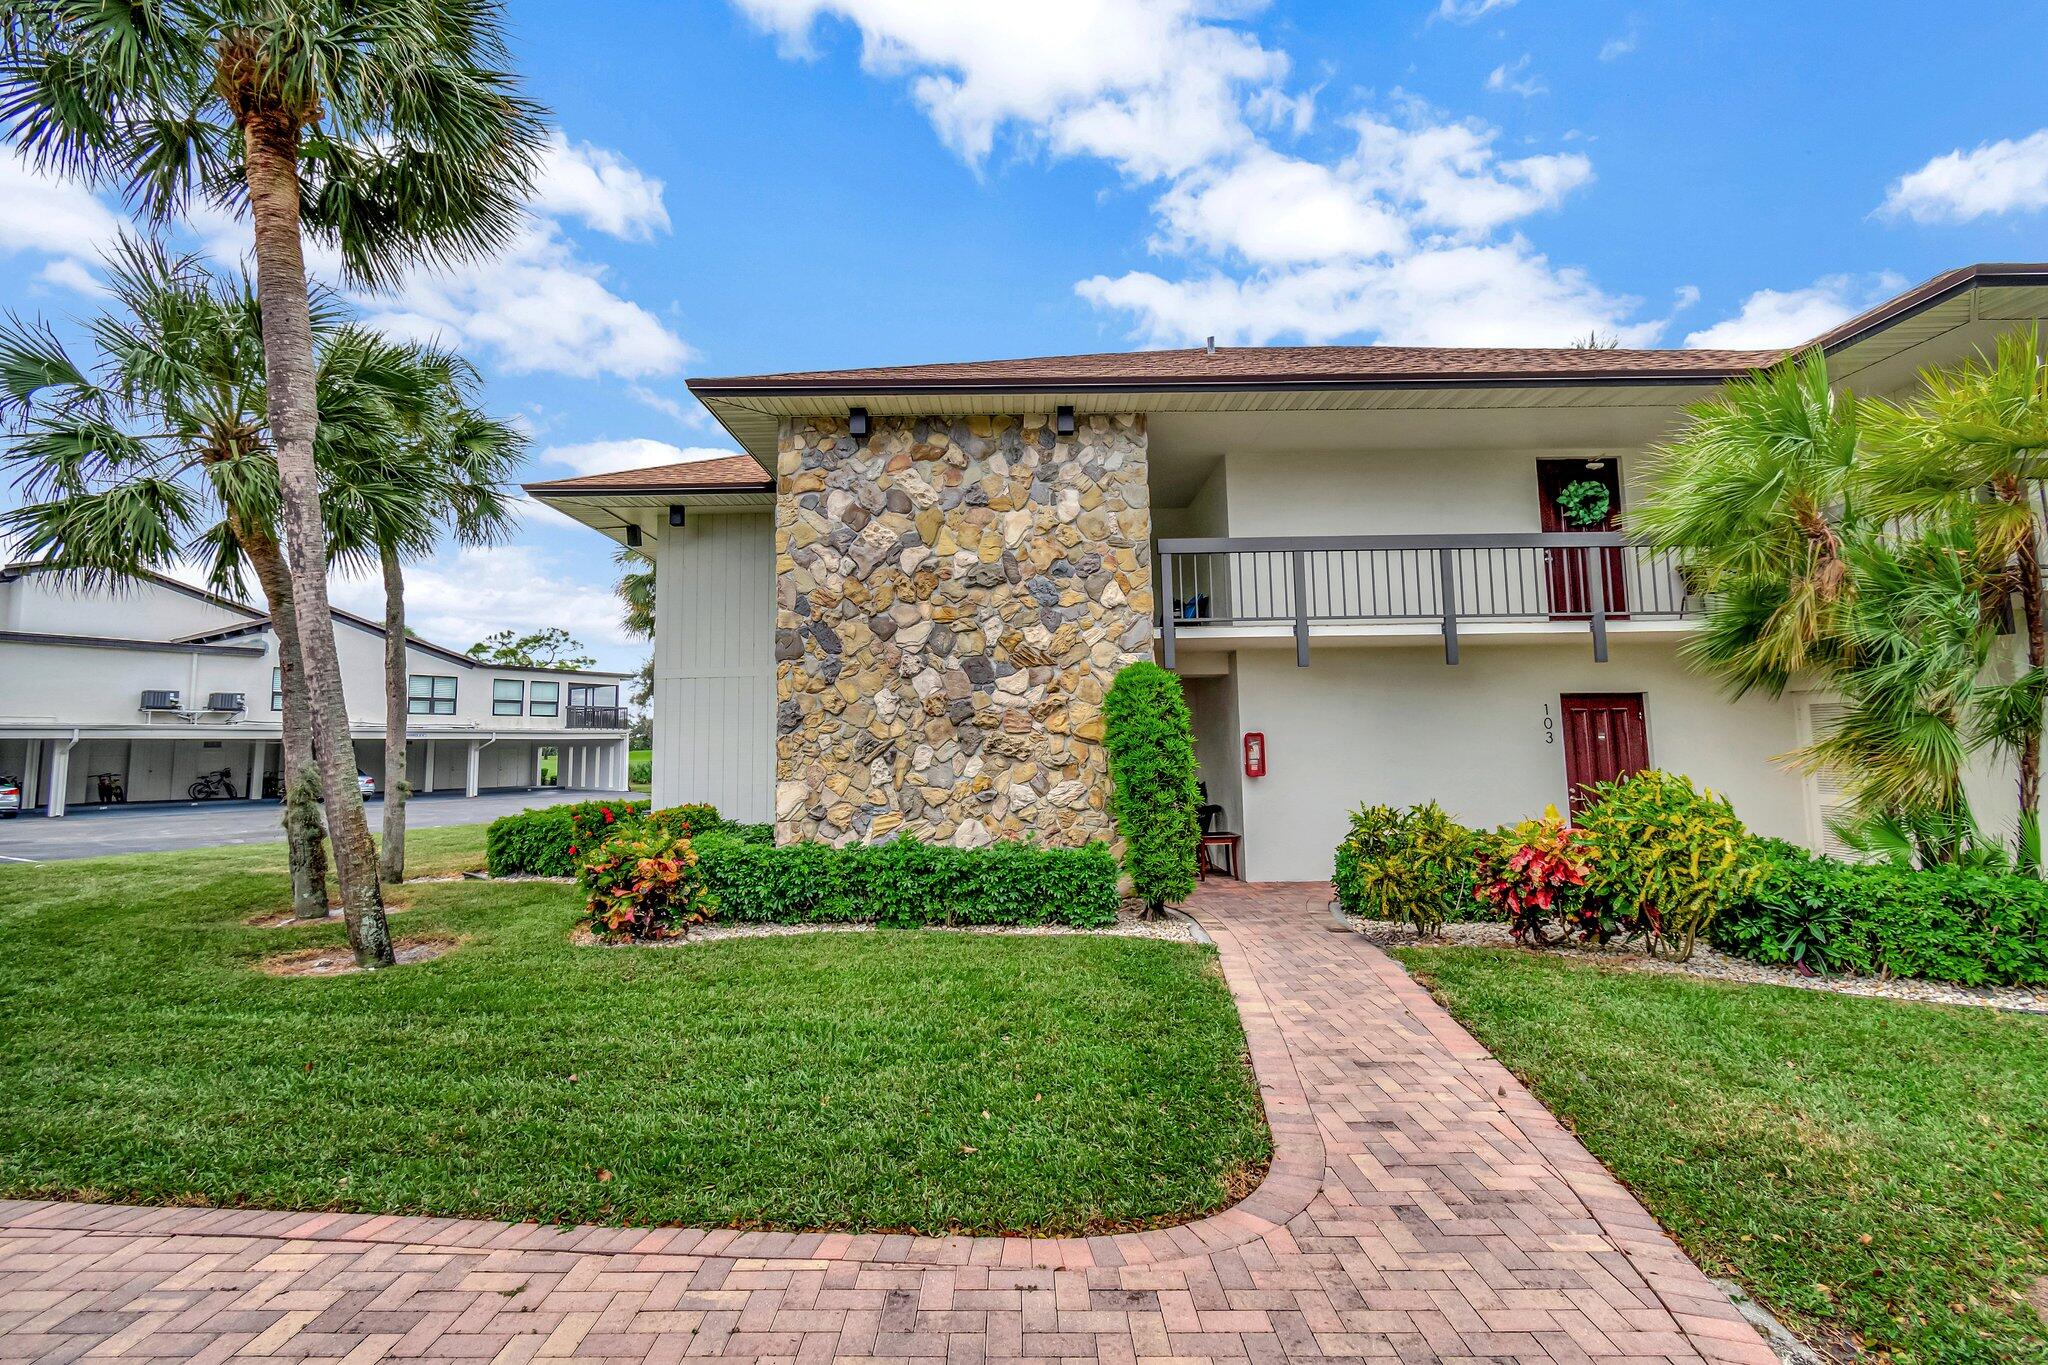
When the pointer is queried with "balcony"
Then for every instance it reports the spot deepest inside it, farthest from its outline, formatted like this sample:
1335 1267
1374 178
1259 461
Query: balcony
1380 584
598 718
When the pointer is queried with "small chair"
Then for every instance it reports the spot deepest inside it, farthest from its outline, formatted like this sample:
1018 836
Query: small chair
1226 843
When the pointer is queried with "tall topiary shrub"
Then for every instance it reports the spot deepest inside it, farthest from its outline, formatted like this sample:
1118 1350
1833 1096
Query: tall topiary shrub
1151 743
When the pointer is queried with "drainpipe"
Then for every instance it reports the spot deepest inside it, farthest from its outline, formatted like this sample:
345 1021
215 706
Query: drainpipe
476 749
59 775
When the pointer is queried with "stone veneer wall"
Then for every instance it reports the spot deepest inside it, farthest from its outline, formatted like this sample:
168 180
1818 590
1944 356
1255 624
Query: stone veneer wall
952 601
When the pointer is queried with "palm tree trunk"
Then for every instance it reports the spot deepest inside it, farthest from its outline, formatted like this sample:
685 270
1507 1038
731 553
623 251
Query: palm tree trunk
391 857
305 839
2030 743
270 166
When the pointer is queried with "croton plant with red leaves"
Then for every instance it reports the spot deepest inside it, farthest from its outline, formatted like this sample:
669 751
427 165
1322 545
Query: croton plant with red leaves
1536 875
645 888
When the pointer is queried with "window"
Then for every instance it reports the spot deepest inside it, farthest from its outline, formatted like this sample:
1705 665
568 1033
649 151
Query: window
427 695
546 699
277 689
508 696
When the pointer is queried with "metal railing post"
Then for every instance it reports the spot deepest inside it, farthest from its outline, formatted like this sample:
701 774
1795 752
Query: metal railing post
1166 609
1300 610
1447 592
1596 598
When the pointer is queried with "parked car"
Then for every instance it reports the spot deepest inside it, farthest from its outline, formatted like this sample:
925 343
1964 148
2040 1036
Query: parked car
366 785
10 797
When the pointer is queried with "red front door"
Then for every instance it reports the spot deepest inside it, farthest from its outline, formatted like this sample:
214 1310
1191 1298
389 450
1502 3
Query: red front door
1570 593
1604 740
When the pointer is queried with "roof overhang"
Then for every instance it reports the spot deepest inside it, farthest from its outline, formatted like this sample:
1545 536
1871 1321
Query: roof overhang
752 408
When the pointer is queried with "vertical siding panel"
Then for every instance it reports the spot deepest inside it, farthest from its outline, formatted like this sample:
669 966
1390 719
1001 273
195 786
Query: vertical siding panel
714 664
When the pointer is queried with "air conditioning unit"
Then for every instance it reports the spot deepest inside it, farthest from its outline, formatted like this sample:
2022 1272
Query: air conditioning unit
227 701
162 701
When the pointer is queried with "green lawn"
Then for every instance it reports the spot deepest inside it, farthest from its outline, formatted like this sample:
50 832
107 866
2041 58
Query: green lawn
891 1080
1869 1170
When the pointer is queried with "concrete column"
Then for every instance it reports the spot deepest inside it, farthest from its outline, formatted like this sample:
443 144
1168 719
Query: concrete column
476 749
59 767
622 761
254 787
427 766
537 747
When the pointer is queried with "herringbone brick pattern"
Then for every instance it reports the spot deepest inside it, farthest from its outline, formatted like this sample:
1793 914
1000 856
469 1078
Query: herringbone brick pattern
1421 1207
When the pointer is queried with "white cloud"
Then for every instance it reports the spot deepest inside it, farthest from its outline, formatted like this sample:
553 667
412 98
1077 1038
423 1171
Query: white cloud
538 305
1497 294
460 596
1515 78
1615 48
68 272
638 452
1398 238
1469 11
599 187
52 216
1151 85
2007 176
1788 317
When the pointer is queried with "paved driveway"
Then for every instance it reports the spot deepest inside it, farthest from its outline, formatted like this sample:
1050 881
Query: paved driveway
1421 1206
35 838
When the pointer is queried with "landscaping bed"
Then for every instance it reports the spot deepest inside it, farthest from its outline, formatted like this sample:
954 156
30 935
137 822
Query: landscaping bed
920 1080
1711 964
1874 1173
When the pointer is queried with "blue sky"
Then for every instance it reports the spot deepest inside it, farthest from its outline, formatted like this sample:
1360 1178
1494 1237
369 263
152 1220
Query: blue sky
747 185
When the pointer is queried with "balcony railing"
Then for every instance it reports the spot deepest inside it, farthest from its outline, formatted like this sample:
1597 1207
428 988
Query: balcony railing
1305 581
599 718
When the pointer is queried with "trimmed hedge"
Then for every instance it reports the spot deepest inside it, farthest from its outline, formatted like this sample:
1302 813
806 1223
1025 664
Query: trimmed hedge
906 883
553 840
1151 743
1941 924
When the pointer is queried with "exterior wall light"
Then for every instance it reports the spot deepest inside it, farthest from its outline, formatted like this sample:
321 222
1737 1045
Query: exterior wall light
857 423
675 514
1063 420
632 537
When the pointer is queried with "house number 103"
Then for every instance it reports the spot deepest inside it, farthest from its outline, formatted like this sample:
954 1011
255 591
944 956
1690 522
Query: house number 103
1549 725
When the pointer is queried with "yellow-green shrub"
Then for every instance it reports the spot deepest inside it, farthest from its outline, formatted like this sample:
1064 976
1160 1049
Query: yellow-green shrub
1414 864
1665 857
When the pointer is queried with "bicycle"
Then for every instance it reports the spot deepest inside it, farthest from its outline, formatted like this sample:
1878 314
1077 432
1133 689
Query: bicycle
207 786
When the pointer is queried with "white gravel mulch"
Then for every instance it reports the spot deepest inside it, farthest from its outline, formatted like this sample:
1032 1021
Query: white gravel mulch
1129 924
1718 966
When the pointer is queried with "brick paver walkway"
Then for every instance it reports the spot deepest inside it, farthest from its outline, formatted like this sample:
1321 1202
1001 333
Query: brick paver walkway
1421 1207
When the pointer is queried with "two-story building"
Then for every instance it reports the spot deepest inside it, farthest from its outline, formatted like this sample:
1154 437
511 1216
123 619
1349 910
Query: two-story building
901 608
143 690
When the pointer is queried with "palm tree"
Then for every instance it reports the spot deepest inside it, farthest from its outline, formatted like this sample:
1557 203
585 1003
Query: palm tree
438 463
1915 645
1754 498
386 128
636 594
159 451
1971 449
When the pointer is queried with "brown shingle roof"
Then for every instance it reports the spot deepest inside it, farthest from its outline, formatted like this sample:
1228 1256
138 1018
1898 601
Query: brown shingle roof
1258 364
732 474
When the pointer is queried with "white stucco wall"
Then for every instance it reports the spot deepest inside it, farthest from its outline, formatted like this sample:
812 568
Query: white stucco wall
714 664
1397 725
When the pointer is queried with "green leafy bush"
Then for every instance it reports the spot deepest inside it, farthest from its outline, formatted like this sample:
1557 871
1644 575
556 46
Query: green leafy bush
753 834
1966 925
907 883
644 885
683 822
551 840
1416 865
1151 743
1664 857
641 772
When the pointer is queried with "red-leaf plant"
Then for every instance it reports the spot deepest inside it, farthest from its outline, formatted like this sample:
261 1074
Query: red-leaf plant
1535 876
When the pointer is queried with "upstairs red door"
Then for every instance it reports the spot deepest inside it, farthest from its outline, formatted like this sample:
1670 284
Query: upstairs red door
1604 740
1570 594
